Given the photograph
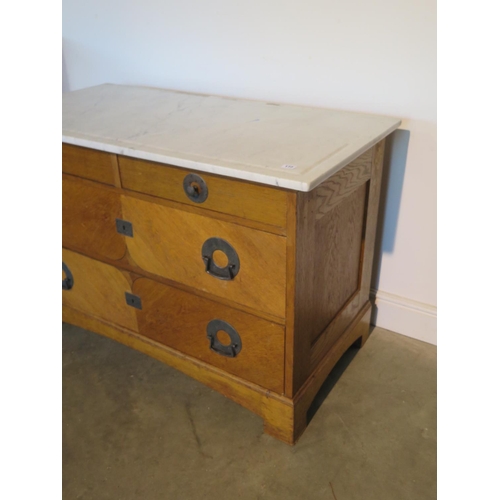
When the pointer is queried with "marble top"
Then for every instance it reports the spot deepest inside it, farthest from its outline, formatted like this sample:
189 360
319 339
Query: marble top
284 145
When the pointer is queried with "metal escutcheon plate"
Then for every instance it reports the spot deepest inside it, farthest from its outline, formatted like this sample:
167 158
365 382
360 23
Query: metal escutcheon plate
68 282
231 350
195 188
233 261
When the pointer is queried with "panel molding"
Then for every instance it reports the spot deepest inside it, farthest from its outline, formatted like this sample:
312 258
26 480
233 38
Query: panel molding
332 192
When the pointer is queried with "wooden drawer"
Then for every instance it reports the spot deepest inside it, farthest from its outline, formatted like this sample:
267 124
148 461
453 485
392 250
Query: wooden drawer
243 199
179 320
169 242
97 289
89 218
90 164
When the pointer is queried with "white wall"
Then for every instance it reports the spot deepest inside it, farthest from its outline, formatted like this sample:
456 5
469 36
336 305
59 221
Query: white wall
356 55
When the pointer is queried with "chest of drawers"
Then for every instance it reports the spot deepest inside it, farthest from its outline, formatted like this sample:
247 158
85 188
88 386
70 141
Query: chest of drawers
230 239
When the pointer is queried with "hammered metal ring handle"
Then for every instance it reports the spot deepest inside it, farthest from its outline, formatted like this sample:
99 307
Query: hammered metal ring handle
231 350
67 283
196 188
233 262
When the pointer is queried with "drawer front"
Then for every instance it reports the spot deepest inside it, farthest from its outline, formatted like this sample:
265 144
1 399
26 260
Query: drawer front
171 243
90 164
97 289
89 218
253 349
242 199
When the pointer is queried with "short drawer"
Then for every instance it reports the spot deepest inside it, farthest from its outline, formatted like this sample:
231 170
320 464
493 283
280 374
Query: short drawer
90 164
89 213
227 260
243 199
236 342
97 289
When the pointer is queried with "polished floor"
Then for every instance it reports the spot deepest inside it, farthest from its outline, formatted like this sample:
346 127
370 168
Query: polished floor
134 428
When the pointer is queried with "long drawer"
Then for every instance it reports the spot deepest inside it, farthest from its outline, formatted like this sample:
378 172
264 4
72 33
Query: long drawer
243 199
227 260
239 343
221 258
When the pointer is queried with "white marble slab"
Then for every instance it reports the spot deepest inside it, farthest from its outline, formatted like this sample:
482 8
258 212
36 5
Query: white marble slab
283 145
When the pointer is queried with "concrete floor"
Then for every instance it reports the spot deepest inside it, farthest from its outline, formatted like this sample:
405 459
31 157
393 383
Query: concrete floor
134 428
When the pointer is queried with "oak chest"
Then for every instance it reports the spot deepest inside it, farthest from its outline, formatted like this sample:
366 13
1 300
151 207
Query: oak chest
230 239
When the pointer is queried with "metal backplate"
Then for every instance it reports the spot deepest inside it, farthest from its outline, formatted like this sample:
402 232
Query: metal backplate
133 300
233 261
231 350
195 188
124 227
68 282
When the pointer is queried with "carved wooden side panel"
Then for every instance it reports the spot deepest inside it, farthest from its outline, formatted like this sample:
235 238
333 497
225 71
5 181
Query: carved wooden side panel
335 226
333 191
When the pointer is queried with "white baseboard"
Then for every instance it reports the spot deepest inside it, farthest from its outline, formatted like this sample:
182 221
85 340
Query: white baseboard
405 316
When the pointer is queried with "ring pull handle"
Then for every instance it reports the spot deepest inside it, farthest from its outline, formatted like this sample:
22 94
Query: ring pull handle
233 262
231 350
68 282
196 188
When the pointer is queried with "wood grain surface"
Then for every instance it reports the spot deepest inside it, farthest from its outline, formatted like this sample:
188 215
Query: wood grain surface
327 268
90 164
335 264
99 290
330 226
179 320
371 219
350 309
292 338
127 264
242 199
168 242
198 210
88 217
331 192
335 329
